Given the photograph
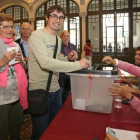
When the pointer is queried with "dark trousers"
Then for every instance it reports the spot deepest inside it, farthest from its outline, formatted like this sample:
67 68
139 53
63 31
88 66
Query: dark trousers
65 87
40 123
10 121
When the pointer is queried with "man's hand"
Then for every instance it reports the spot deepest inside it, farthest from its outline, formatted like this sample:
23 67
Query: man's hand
109 60
109 137
72 55
84 63
26 59
62 55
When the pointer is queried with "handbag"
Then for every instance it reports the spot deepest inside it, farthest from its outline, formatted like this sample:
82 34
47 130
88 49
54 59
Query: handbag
37 99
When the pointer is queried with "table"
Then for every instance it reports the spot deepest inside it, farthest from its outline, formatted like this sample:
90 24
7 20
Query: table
70 124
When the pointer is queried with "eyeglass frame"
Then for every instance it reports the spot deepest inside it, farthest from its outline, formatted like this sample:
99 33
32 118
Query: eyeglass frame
7 27
57 17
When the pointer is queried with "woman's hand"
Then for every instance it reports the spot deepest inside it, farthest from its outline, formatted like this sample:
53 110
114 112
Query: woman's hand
18 56
138 136
109 60
109 137
8 56
120 91
123 79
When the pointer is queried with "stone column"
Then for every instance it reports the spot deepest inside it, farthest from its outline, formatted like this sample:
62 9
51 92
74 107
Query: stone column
83 16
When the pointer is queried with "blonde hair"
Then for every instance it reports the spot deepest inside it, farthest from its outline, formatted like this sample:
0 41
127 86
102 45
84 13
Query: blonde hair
62 33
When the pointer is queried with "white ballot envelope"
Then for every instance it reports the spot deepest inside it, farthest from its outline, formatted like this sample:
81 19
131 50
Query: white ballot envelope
124 134
16 48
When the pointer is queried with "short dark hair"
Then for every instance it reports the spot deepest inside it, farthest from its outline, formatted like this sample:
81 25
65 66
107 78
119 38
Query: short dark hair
53 8
88 41
138 48
5 17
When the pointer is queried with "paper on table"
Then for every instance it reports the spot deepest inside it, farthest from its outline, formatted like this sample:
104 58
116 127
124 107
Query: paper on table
124 134
13 60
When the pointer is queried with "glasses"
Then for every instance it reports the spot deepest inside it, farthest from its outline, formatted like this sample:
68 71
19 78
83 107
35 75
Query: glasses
25 29
55 17
7 27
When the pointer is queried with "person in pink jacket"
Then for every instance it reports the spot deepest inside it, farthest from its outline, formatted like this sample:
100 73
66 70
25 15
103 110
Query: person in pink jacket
125 90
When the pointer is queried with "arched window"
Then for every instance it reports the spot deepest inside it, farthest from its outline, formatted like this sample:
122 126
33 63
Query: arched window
94 6
20 15
108 4
71 23
70 7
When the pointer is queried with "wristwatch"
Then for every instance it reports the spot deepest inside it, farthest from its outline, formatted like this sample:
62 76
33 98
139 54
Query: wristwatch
129 99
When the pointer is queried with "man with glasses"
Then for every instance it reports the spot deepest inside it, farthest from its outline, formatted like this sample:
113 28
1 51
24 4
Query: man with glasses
42 44
26 30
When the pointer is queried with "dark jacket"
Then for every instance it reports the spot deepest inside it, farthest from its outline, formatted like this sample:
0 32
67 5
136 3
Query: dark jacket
63 51
21 46
72 47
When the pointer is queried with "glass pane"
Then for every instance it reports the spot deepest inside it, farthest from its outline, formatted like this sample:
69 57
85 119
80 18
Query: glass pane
50 3
121 4
40 24
9 11
40 12
25 13
122 34
136 30
17 13
73 7
108 34
62 3
75 32
136 3
94 6
17 29
93 30
108 4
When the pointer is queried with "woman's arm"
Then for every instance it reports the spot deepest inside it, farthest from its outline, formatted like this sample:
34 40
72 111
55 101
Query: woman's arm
135 70
20 58
8 56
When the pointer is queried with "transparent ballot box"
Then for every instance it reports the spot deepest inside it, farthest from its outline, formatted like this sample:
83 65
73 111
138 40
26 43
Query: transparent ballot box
90 90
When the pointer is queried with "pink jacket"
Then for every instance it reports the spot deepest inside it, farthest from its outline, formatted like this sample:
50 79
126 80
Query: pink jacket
135 102
129 68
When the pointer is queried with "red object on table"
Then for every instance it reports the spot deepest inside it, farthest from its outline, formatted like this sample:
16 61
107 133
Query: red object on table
70 124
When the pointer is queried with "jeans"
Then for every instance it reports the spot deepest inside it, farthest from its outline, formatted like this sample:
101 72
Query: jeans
40 123
65 87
